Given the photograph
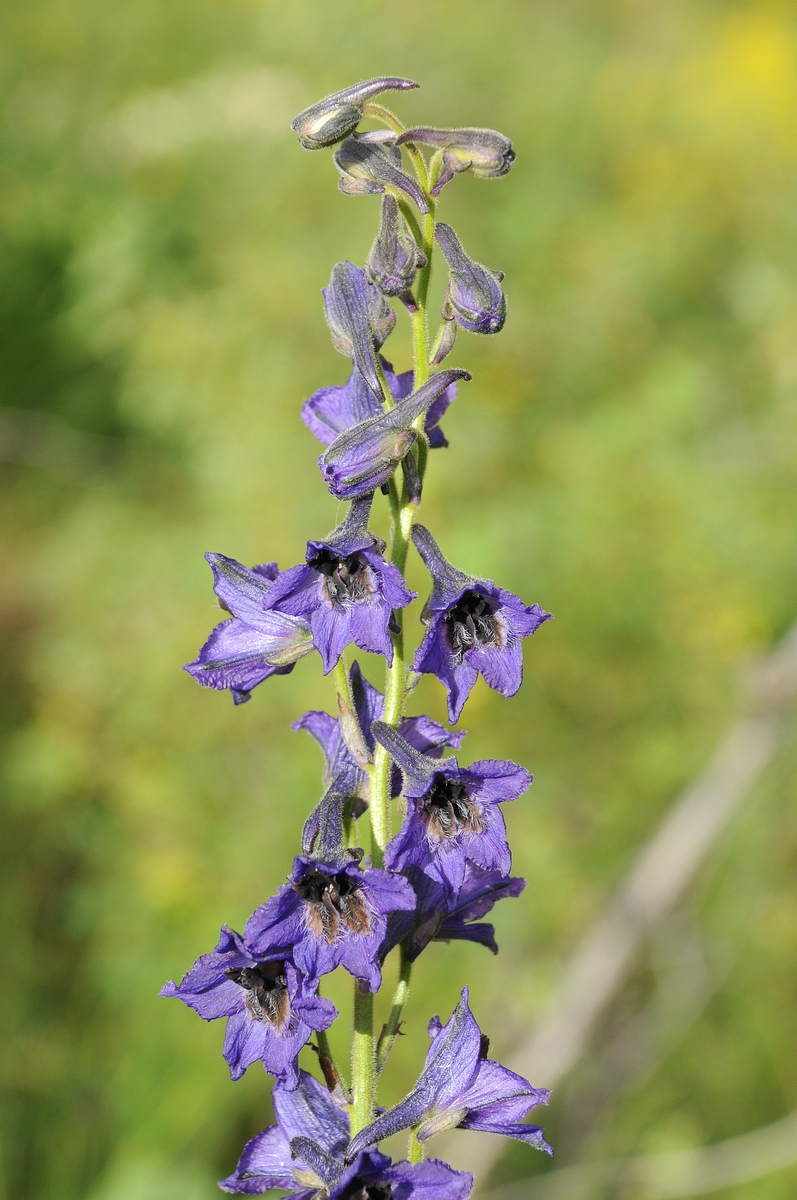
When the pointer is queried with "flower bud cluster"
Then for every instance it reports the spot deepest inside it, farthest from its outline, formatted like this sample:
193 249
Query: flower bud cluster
450 861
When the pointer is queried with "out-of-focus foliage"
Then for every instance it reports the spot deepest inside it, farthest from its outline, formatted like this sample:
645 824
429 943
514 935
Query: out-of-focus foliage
625 456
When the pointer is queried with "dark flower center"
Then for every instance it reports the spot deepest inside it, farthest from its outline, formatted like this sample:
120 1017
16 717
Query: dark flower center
471 622
346 580
330 900
266 990
448 809
367 1191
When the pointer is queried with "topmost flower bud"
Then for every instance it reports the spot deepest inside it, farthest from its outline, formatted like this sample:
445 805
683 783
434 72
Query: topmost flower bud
485 152
336 116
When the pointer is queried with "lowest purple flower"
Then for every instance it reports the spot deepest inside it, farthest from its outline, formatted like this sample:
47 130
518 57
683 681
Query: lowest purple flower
256 643
346 590
270 1009
331 410
342 771
303 1155
441 915
474 628
365 456
452 812
329 914
460 1087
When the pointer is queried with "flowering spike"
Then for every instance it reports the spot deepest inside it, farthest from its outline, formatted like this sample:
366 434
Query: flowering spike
486 153
336 116
394 257
364 457
474 297
359 319
367 168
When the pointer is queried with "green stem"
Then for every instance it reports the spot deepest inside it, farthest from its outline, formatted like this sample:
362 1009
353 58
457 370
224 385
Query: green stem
363 1075
400 997
416 1151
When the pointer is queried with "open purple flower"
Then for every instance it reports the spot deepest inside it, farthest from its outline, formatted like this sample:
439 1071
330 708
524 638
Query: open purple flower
452 812
441 915
331 410
256 643
329 914
346 590
341 770
474 628
271 1011
460 1087
365 456
359 319
303 1155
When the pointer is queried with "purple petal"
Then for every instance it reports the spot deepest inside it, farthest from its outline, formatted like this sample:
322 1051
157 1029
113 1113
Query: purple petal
241 591
309 1111
264 1164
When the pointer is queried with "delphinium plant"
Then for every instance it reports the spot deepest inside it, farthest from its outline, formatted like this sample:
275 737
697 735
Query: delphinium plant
355 895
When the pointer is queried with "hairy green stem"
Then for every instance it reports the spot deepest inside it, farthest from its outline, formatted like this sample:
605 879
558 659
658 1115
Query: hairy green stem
363 1074
400 997
416 1151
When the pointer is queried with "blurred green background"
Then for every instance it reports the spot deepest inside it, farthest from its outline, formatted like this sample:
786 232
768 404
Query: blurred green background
625 456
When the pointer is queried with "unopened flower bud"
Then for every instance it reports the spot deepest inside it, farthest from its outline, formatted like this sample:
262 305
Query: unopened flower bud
484 152
368 168
364 457
394 256
336 116
474 297
359 319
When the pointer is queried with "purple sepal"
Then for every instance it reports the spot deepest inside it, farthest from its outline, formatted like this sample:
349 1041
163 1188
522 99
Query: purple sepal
308 1112
460 1087
330 915
442 915
474 296
270 1020
394 257
331 410
346 591
256 642
359 320
473 628
364 457
341 770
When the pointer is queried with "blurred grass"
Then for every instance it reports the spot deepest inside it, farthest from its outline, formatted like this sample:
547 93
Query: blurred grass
625 456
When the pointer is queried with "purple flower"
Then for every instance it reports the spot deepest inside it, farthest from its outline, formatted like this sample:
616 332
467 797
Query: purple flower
367 168
486 153
359 320
331 410
444 916
473 627
342 772
336 116
308 1111
346 591
364 456
329 914
452 812
256 643
474 296
460 1087
271 1010
303 1155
